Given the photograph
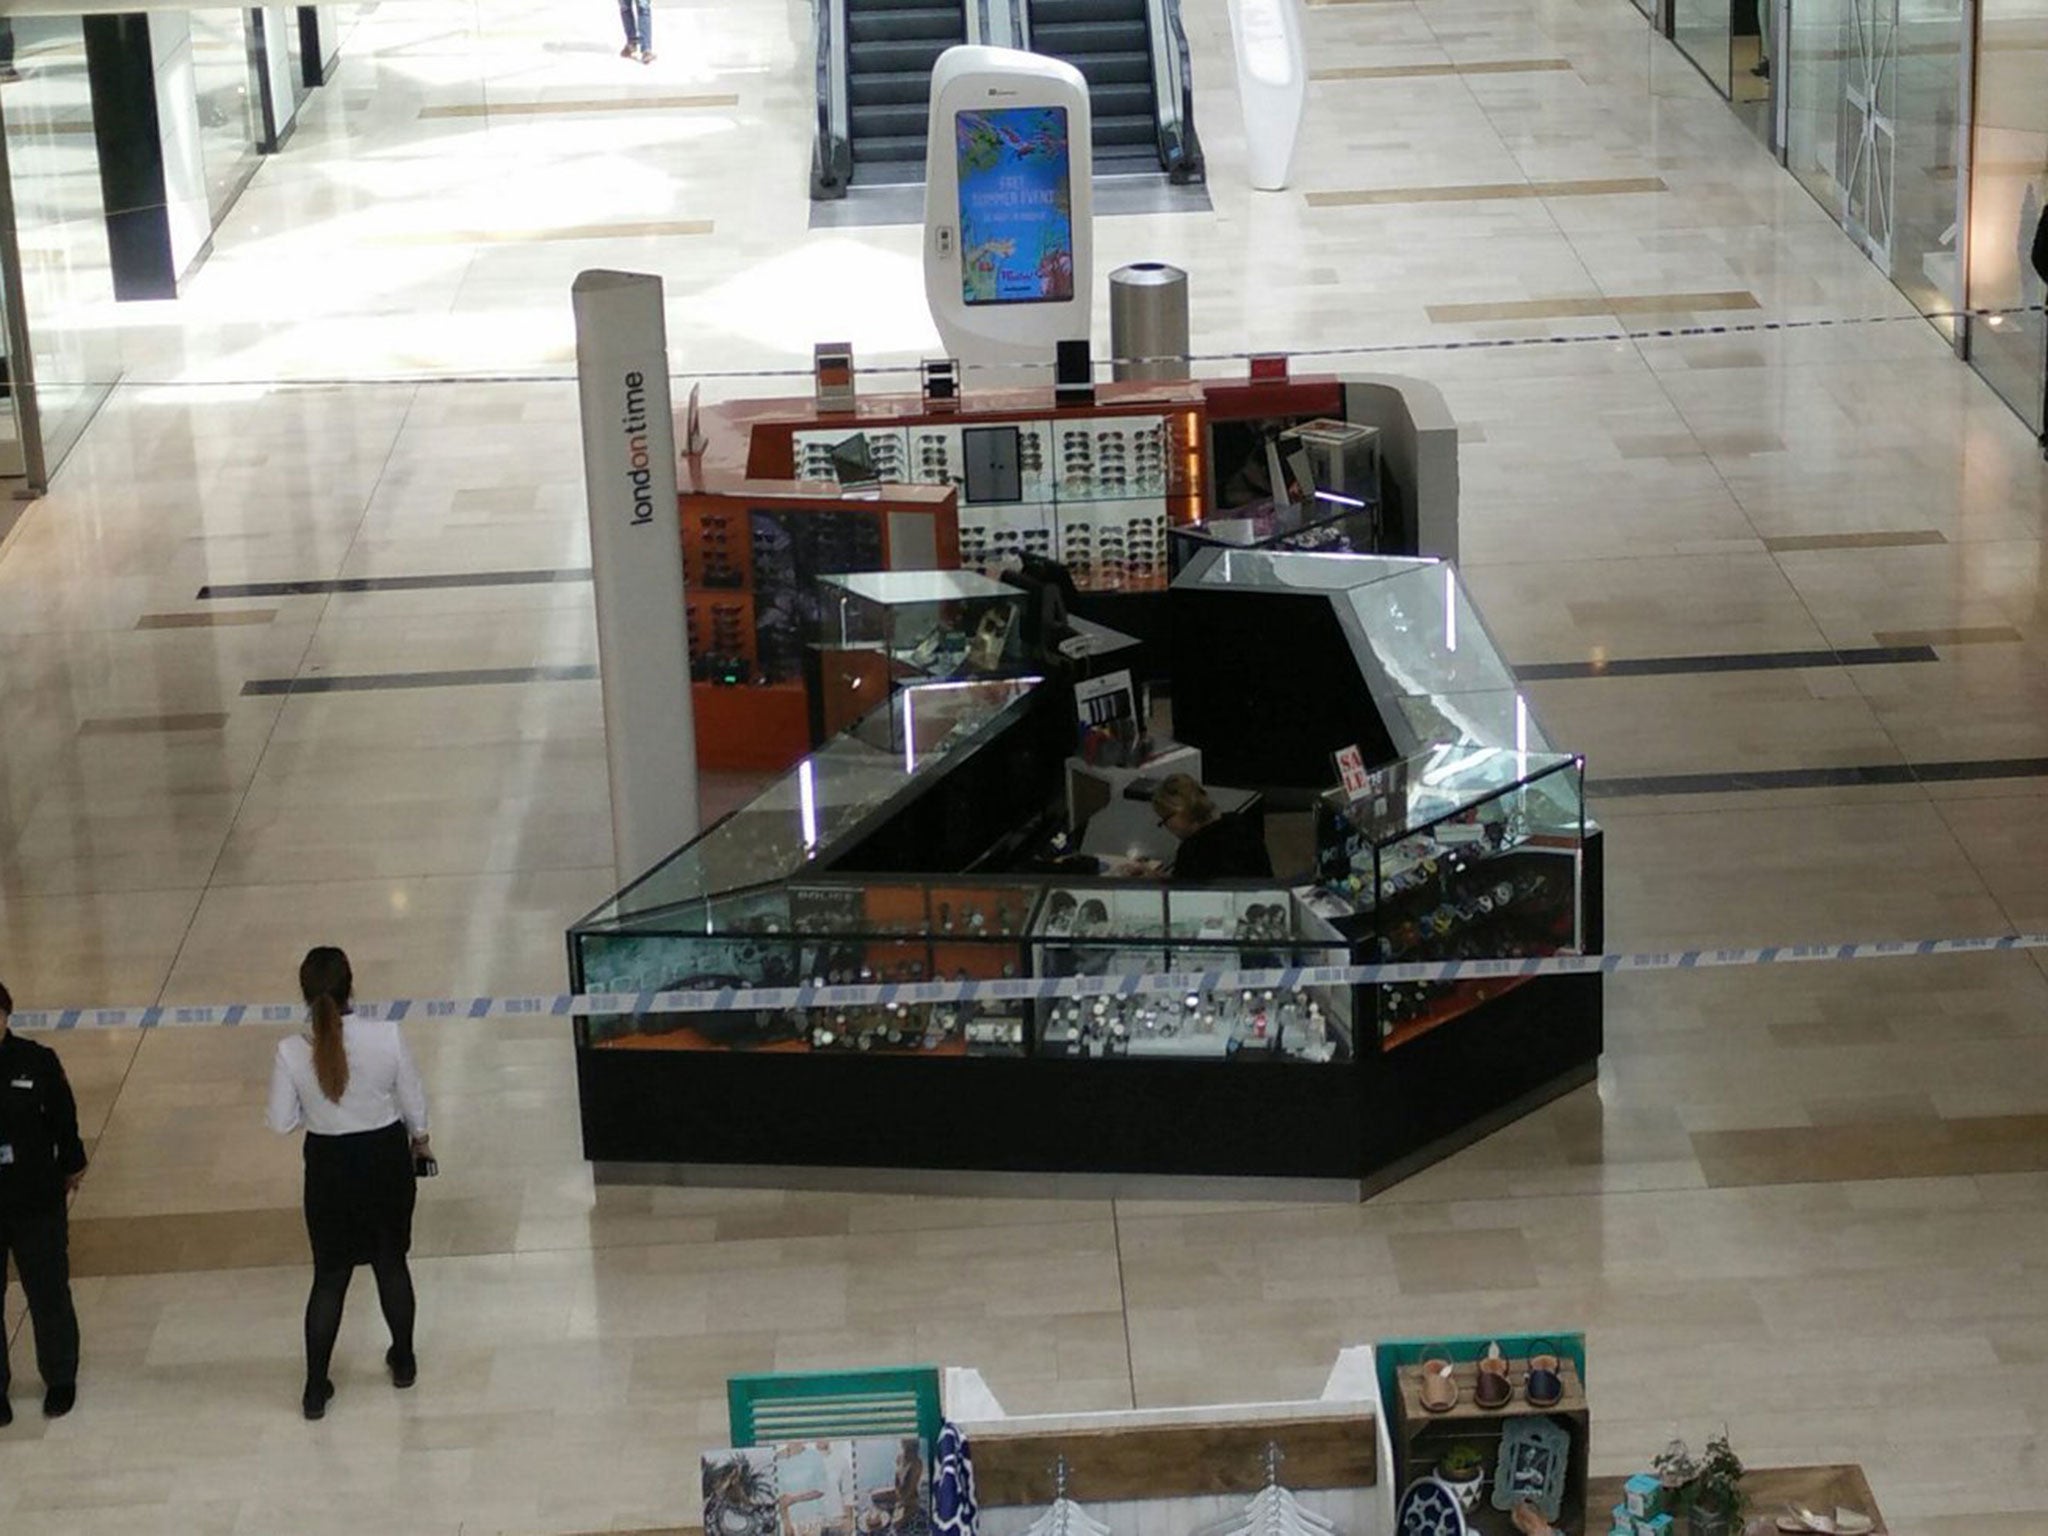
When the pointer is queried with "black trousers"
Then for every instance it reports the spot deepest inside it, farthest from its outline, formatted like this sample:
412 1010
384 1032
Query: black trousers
41 1244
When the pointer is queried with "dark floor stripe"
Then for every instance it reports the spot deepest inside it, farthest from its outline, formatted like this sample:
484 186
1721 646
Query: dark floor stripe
395 583
1864 776
372 682
1759 661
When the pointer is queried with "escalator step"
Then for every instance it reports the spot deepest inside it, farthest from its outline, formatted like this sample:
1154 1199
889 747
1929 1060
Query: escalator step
1091 37
897 26
1110 101
891 147
890 88
1125 130
868 59
891 121
1113 68
1054 12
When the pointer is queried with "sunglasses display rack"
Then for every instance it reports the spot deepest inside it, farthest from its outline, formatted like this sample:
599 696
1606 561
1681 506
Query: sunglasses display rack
1112 458
889 454
1114 545
988 535
751 568
934 456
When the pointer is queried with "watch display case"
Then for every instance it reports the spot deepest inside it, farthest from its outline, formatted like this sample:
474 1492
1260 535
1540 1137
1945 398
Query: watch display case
1120 929
1461 853
925 623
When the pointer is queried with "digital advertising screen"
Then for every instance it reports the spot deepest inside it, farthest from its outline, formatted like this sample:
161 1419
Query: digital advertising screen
1016 207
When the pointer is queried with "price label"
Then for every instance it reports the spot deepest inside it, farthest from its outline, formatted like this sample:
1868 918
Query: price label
1351 769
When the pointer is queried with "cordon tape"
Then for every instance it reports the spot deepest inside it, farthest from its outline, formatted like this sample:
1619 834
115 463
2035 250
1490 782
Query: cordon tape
816 997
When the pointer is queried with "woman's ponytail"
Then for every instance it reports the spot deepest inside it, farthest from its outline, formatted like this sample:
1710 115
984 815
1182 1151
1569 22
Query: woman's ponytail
326 982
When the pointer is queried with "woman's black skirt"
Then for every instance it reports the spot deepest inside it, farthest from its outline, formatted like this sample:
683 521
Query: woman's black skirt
359 1195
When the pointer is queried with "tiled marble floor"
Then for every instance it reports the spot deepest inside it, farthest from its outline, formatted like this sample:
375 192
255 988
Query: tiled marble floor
1807 1202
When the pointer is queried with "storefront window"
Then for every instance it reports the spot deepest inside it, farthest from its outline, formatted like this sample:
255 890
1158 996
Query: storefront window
60 231
2008 188
1876 95
224 81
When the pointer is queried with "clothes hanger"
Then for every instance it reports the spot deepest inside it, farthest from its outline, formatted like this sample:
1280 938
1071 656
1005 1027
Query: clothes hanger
1065 1517
1273 1510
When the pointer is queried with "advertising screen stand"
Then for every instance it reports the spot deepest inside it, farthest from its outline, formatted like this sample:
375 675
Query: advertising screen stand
1009 207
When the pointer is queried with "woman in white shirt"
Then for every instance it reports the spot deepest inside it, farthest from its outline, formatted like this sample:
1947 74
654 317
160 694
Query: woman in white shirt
352 1084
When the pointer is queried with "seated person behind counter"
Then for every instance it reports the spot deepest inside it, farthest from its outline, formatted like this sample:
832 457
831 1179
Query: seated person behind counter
1213 846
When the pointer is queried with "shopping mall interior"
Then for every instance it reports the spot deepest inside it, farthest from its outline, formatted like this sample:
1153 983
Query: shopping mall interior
299 647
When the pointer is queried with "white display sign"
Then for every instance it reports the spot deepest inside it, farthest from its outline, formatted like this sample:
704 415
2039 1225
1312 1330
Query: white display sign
636 556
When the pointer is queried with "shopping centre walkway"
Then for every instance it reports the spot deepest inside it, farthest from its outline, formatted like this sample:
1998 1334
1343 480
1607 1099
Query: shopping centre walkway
1811 1203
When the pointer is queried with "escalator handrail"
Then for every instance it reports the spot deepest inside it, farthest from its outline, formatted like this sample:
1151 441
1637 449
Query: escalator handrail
834 146
1180 151
1001 24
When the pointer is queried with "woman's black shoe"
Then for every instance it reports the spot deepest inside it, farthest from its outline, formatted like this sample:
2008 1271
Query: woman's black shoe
315 1400
405 1369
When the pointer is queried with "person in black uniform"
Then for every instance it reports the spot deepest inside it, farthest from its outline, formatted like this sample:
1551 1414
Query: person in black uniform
1212 846
41 1161
2039 256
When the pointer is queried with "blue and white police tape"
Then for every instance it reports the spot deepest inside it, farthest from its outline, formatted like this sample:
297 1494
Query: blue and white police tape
1037 989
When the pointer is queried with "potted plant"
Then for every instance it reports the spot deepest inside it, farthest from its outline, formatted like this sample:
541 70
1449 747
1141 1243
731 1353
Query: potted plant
1462 1468
1675 1468
1717 1502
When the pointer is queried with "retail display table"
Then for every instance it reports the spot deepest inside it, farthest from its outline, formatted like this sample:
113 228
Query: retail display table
1771 1489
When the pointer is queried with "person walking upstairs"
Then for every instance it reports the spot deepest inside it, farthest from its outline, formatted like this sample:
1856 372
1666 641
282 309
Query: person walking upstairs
41 1162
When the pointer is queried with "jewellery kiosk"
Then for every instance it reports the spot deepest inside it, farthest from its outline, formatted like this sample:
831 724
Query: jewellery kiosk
904 850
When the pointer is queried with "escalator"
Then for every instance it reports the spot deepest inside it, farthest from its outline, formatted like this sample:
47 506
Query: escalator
1110 42
874 68
891 47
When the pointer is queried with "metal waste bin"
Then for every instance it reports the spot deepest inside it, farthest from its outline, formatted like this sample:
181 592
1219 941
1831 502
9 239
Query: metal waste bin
1148 318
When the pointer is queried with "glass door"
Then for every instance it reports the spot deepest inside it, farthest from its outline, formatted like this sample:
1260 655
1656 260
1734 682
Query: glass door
1874 132
63 351
2008 191
1704 31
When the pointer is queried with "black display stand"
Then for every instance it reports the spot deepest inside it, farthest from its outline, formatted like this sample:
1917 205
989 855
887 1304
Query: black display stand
1372 1121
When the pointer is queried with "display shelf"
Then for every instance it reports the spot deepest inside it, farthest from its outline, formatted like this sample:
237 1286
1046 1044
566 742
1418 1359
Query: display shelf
1772 1489
753 553
1422 1438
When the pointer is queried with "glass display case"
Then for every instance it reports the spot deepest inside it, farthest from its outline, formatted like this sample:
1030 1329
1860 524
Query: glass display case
1120 929
925 623
850 932
1463 852
1330 523
754 902
885 760
1386 654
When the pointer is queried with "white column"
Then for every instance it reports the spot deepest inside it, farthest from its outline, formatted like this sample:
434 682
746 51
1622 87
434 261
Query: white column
1272 85
636 552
